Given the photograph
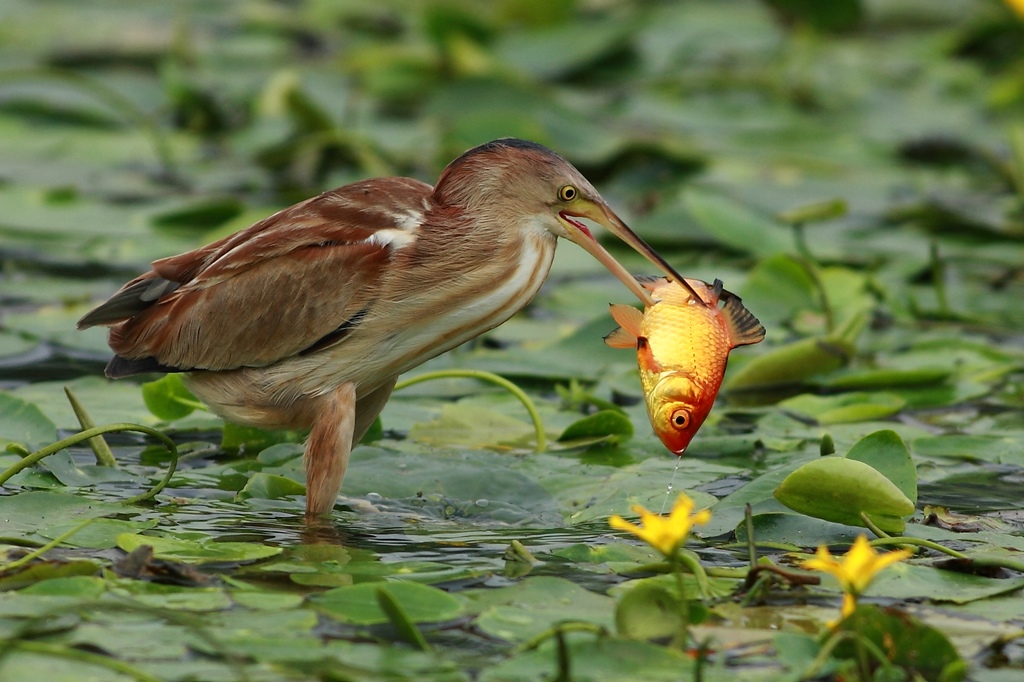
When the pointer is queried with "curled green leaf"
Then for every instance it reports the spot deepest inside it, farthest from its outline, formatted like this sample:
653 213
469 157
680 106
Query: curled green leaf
839 489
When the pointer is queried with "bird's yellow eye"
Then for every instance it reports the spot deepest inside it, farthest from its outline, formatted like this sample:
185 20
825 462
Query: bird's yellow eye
567 193
680 418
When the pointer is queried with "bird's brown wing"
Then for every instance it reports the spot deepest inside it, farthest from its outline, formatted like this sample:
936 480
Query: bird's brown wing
292 283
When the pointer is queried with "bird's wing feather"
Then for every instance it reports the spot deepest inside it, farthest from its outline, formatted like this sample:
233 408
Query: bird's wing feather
273 290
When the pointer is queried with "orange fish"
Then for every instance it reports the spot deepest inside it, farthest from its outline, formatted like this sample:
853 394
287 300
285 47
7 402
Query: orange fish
682 345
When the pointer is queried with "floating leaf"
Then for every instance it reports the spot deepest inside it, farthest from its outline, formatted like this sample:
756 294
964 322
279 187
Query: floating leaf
790 365
33 511
737 226
839 489
359 604
846 407
604 659
197 551
604 424
529 607
23 422
917 648
464 424
270 487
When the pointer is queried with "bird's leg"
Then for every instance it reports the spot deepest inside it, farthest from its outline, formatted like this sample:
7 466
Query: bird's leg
368 407
328 448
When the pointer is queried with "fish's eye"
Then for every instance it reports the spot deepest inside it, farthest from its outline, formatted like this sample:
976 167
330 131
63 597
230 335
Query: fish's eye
567 193
680 419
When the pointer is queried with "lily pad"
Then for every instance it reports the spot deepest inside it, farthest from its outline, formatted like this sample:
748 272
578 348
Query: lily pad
359 604
197 551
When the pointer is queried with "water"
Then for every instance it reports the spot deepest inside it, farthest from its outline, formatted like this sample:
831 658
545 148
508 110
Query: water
671 486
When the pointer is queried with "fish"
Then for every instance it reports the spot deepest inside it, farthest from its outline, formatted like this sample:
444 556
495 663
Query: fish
682 344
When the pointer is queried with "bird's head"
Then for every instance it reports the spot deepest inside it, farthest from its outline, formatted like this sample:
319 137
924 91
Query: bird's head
526 183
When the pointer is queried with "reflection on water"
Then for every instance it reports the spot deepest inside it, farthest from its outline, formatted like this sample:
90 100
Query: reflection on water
988 488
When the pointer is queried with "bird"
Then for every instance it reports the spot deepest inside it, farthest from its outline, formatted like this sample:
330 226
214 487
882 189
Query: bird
305 319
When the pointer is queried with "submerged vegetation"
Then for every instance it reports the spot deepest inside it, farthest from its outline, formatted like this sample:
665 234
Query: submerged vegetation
855 173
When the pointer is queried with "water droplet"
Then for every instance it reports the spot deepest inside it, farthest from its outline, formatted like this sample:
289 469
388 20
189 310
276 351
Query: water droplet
482 502
374 496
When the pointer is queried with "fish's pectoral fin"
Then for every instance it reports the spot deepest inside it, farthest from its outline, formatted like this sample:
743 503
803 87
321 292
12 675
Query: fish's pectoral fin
645 356
744 328
628 317
620 338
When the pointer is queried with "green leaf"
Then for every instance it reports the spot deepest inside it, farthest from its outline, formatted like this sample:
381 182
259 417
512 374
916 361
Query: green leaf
41 571
846 407
197 215
533 605
867 379
796 531
603 659
464 424
917 648
359 604
778 287
886 452
737 226
650 611
30 512
837 16
100 534
789 365
611 424
400 621
252 439
83 586
839 489
167 397
23 422
197 551
270 487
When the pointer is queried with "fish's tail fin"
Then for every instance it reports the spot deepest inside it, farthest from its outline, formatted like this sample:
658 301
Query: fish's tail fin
744 328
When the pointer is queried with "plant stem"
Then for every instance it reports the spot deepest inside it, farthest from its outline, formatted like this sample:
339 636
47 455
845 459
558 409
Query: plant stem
692 562
45 548
919 542
480 375
748 518
38 455
683 636
104 456
553 631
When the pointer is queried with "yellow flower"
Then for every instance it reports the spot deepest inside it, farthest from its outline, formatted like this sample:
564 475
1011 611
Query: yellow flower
857 569
1017 6
664 534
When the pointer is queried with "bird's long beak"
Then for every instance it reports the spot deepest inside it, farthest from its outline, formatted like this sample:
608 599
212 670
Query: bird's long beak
601 214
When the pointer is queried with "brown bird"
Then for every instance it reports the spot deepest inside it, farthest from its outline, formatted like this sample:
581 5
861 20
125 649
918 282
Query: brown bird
305 319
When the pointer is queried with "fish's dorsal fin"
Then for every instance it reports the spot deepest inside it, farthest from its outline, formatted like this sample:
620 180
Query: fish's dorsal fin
716 291
650 281
744 328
